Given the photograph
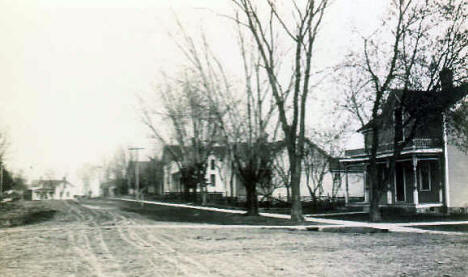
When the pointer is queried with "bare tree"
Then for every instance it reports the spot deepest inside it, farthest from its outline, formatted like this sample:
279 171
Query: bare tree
192 128
3 145
86 173
251 145
115 171
7 181
301 35
425 38
241 120
3 172
457 127
319 154
282 174
316 165
19 181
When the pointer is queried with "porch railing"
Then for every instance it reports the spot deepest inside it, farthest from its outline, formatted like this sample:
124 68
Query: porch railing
415 144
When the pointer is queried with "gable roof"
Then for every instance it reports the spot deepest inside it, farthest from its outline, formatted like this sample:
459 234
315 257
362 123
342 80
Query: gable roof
49 184
175 152
418 102
169 151
144 166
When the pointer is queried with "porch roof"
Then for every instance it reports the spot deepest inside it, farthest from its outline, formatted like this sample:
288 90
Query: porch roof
404 154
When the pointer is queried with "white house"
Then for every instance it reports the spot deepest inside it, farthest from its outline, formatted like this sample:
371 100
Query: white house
219 176
52 189
430 172
319 175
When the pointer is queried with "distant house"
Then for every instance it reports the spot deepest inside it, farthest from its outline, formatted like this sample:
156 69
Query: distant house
51 190
221 177
321 176
430 173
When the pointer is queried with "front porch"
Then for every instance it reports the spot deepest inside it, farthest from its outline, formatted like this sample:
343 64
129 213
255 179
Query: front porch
409 207
417 183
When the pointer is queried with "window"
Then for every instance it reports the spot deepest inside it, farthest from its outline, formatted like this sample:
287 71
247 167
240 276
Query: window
212 164
368 140
406 124
213 179
398 124
425 177
383 173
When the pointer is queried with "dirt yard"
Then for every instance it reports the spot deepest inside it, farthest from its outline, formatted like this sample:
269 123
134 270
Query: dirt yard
102 238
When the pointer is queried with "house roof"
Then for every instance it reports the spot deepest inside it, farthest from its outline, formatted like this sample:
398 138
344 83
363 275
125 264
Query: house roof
48 184
145 165
171 152
175 152
333 162
273 148
419 103
108 184
141 164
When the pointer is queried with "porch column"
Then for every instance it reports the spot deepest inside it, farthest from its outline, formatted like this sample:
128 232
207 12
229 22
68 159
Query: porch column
415 175
389 189
346 183
366 191
441 193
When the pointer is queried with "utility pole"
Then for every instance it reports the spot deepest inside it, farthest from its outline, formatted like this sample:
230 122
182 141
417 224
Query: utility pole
137 172
1 179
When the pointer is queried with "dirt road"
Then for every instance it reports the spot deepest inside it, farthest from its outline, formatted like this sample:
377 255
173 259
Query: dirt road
97 238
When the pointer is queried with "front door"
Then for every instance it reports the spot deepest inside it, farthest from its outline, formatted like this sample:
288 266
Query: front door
400 183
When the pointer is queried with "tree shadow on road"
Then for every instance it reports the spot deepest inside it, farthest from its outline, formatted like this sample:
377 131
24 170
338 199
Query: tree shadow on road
189 215
23 213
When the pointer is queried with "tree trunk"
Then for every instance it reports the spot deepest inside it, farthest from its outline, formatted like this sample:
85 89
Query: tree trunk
186 193
204 195
296 205
193 195
252 199
374 211
313 196
231 183
375 214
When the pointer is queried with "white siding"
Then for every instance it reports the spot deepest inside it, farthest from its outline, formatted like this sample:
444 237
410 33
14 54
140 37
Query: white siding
458 177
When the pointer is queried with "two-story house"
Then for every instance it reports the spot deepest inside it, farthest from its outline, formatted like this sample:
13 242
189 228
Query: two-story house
430 172
219 176
317 178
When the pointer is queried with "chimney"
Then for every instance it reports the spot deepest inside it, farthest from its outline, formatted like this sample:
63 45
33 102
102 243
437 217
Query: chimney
446 79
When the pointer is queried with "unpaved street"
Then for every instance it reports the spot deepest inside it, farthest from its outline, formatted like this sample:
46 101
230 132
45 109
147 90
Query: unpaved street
97 238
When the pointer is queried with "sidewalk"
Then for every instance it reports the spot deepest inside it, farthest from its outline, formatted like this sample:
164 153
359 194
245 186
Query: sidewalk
327 223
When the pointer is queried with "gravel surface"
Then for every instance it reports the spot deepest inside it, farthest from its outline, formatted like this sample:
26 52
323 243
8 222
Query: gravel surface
97 238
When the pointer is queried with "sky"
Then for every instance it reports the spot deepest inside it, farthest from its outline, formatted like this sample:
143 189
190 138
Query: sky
71 71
